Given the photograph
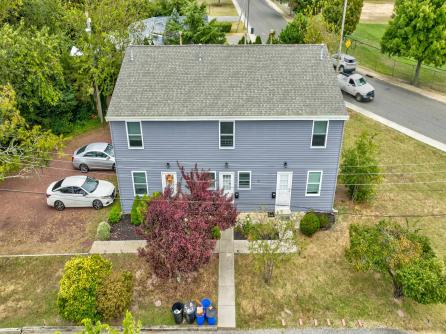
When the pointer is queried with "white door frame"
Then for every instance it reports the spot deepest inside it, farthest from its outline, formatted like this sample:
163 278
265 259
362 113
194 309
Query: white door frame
220 181
283 208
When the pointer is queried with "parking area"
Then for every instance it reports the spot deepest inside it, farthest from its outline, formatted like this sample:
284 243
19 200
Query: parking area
29 226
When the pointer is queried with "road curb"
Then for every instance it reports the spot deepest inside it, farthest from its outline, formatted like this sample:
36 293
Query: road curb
411 133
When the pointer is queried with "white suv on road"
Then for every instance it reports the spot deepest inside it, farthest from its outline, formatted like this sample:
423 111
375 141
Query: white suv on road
346 63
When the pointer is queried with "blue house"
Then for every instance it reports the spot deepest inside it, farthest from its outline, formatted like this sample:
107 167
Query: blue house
266 121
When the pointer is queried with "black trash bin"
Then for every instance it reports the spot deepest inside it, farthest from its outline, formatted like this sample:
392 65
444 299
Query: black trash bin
177 311
189 312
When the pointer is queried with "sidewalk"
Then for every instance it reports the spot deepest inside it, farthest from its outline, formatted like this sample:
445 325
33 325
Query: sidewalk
226 282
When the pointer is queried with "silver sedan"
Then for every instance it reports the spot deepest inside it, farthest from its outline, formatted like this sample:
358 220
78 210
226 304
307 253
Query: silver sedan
94 156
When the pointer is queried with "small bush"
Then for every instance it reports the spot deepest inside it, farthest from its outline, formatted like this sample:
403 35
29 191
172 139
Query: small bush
216 233
82 275
103 231
115 213
135 215
223 26
324 222
114 295
309 224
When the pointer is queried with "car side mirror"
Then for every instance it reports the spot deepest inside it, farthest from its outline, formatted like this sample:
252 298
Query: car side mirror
108 158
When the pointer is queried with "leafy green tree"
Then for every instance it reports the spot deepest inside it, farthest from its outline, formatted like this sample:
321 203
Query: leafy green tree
24 147
9 10
332 13
359 169
294 32
311 7
406 257
417 30
43 13
318 33
30 60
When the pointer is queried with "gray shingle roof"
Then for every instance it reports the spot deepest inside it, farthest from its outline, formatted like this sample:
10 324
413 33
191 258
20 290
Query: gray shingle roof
226 81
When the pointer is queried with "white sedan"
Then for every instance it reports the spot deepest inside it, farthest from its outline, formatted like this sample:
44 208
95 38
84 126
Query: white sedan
80 191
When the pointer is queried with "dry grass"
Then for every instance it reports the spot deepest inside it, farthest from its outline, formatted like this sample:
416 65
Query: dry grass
220 7
321 284
29 286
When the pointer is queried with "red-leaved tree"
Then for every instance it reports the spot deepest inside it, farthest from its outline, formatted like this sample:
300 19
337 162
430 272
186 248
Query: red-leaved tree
178 228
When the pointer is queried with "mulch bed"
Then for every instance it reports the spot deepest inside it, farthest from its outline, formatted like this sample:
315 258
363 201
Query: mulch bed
124 230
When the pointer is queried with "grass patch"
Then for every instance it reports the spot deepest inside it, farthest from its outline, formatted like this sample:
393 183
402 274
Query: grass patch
83 126
320 284
367 50
220 7
32 301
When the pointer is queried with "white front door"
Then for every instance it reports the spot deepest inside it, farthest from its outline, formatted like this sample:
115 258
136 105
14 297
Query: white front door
227 183
283 192
169 179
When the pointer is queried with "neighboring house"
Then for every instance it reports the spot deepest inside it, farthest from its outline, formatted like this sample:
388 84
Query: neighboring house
266 121
152 29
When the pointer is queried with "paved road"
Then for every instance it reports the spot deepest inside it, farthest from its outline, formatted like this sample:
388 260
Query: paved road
262 17
411 110
401 106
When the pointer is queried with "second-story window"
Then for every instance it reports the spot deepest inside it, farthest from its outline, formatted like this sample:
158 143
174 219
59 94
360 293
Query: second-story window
319 138
227 135
134 135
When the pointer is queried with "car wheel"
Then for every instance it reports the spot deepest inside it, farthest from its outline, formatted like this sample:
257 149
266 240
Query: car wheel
97 204
358 97
84 168
341 69
59 205
113 167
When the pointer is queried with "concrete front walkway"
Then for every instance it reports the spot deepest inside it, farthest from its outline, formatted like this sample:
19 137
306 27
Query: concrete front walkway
117 246
226 282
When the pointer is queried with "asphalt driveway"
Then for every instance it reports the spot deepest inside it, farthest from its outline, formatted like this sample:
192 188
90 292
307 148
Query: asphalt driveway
29 226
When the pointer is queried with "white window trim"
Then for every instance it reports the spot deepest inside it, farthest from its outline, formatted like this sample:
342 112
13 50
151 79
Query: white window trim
320 183
326 133
215 179
238 179
128 139
163 181
133 182
233 135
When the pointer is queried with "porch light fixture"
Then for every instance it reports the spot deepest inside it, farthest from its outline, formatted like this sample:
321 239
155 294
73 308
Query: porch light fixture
167 165
285 164
226 164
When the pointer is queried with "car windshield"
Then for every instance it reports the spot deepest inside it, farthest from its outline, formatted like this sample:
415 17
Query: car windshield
90 184
109 150
360 82
349 60
81 150
57 184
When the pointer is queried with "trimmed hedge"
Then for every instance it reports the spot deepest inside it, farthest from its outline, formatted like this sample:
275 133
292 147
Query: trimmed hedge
103 231
223 26
324 221
309 224
115 213
114 295
82 275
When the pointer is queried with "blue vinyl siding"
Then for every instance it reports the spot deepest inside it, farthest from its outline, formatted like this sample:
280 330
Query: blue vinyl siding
261 147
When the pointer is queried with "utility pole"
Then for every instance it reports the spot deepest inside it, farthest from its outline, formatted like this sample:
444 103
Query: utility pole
341 40
97 96
247 24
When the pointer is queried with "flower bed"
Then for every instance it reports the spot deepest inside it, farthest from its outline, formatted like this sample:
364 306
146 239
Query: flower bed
124 230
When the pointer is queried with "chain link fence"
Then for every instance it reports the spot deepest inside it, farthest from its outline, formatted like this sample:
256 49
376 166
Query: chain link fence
370 56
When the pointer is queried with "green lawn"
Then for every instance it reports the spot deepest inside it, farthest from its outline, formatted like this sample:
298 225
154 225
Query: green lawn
29 286
320 284
220 7
369 55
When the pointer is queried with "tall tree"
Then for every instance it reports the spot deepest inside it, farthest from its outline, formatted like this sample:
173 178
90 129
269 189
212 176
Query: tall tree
418 31
332 13
294 32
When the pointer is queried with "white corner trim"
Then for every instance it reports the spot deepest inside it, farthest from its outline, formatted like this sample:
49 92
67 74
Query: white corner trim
408 132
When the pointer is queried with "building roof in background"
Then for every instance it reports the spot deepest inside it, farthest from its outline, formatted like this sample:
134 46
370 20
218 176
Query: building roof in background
221 81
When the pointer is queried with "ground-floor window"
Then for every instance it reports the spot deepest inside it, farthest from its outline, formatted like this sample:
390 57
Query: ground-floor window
314 180
244 180
139 183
